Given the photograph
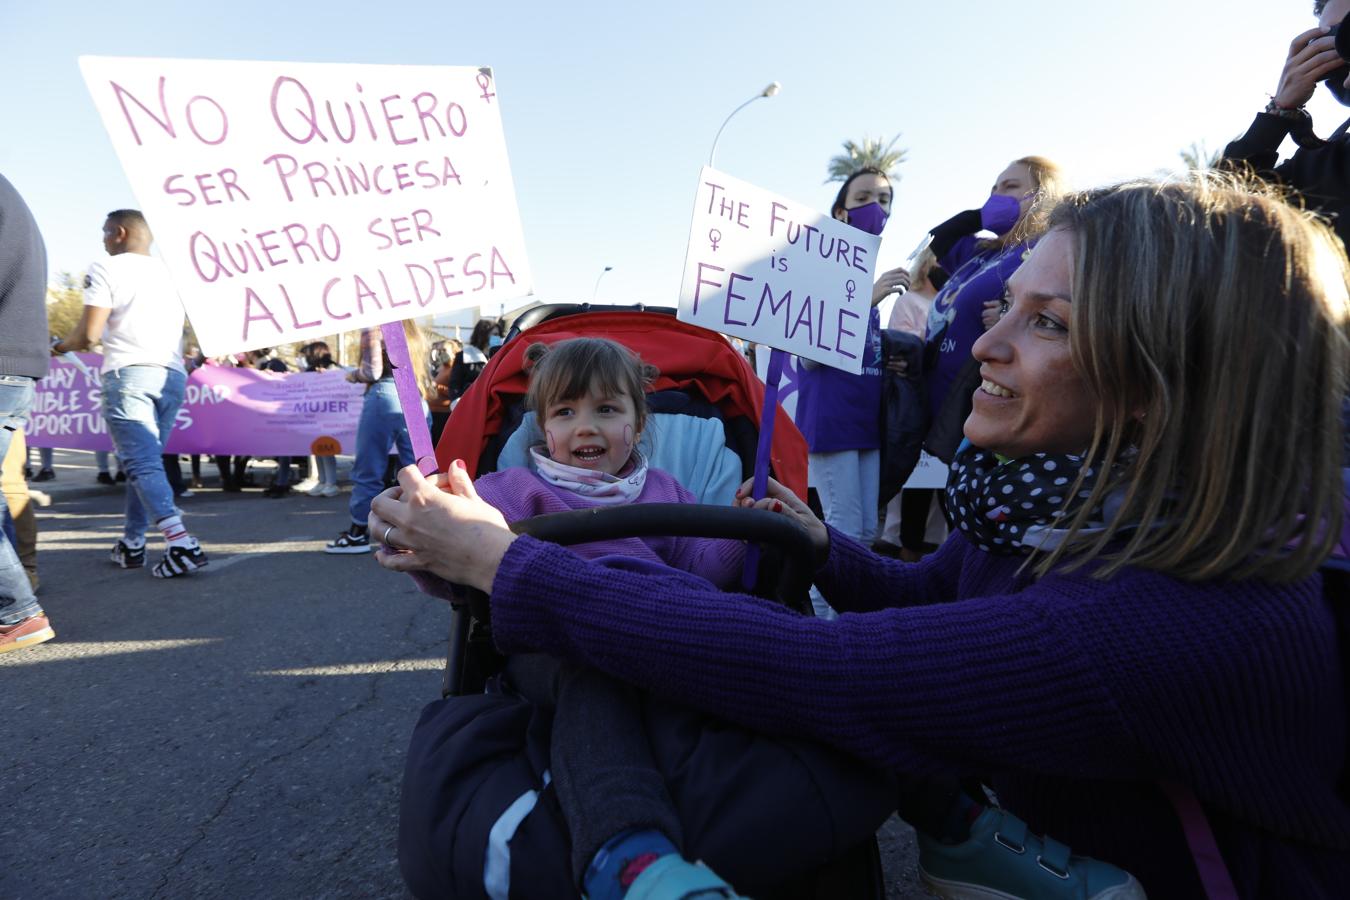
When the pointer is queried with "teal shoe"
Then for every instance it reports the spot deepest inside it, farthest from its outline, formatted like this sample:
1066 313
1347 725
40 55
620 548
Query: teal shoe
674 878
1002 860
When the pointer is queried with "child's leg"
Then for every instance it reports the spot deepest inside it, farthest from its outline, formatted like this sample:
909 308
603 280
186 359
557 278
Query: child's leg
602 766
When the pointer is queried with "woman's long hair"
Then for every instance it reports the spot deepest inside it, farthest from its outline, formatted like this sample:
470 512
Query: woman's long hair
1210 322
1048 183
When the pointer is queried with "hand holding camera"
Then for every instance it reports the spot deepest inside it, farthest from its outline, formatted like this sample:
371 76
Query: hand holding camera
1320 54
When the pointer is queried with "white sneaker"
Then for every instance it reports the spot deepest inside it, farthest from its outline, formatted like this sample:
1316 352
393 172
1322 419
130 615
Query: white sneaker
315 490
307 486
330 490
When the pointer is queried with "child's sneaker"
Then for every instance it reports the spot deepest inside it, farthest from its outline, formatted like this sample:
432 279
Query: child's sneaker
128 557
674 878
27 632
1001 858
349 542
180 560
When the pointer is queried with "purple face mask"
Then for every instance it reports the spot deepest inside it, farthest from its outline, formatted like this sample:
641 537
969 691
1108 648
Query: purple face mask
1000 213
870 218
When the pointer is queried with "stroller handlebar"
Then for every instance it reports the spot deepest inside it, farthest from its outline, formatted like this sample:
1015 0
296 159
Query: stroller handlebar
471 655
581 526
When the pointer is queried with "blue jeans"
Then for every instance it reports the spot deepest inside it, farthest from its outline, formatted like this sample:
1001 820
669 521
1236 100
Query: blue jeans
327 466
139 405
381 425
17 601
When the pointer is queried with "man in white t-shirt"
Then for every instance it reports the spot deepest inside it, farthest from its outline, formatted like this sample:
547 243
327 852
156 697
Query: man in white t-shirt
130 303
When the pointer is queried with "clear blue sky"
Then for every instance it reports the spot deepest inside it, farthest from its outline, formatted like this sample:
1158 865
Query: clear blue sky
610 108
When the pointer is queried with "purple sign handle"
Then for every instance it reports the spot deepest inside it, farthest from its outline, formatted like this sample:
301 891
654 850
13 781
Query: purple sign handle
409 396
760 486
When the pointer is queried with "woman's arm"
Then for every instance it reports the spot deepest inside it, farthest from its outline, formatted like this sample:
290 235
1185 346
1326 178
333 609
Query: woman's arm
953 240
967 686
854 579
851 577
963 687
371 367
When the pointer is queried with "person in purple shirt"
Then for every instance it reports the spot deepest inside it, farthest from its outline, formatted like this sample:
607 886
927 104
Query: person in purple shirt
839 413
1126 633
980 268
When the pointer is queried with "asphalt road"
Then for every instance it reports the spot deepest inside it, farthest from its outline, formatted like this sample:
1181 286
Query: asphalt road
237 733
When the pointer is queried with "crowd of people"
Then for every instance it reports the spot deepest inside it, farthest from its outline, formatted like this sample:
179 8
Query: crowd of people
1115 627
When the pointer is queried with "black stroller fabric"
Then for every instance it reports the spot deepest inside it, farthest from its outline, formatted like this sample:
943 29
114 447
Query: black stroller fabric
760 811
904 419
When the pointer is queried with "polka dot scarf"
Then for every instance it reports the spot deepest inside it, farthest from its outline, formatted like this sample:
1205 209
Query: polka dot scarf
1014 506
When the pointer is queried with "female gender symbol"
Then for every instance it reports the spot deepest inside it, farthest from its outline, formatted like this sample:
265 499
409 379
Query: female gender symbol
484 81
850 286
714 236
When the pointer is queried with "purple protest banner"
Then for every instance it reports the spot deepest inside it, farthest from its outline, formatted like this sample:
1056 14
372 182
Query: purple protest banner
409 396
226 410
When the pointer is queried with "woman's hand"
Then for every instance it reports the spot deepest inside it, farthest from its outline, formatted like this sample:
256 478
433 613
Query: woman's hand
896 281
780 500
440 526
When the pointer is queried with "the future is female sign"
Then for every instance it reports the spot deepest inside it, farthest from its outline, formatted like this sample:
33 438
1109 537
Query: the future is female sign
294 200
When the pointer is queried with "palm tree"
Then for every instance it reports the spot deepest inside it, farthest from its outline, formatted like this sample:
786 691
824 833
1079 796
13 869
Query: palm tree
1198 158
871 152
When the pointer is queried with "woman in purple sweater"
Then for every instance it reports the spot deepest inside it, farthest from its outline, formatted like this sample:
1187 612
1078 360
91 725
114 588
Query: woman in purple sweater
1125 632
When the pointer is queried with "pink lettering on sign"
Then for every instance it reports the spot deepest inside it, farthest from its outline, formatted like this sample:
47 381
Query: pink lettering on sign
214 258
296 114
360 293
351 179
206 187
165 121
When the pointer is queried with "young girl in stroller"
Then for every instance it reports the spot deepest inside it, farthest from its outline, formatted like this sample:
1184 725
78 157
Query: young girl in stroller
589 400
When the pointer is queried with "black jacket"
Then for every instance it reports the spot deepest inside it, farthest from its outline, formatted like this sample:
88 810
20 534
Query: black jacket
1321 175
904 419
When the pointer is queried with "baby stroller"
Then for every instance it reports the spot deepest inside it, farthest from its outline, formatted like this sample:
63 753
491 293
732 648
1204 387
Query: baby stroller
777 818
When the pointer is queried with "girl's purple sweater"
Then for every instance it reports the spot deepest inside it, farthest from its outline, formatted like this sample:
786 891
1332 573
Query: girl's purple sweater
1075 697
518 493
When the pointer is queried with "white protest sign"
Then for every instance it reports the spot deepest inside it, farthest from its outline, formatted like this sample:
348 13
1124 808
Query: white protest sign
295 200
766 269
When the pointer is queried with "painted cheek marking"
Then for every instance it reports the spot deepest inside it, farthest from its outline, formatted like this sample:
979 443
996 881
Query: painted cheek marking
628 436
552 444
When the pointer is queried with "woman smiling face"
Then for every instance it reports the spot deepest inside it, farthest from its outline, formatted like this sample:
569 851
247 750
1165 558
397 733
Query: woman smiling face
1032 398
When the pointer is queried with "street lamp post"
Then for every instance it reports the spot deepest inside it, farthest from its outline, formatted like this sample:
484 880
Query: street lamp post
597 281
770 91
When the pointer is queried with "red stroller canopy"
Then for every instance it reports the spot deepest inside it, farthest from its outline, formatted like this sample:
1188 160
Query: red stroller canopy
688 357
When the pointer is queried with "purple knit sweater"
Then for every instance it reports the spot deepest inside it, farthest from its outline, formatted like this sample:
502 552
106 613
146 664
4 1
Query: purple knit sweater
1075 696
